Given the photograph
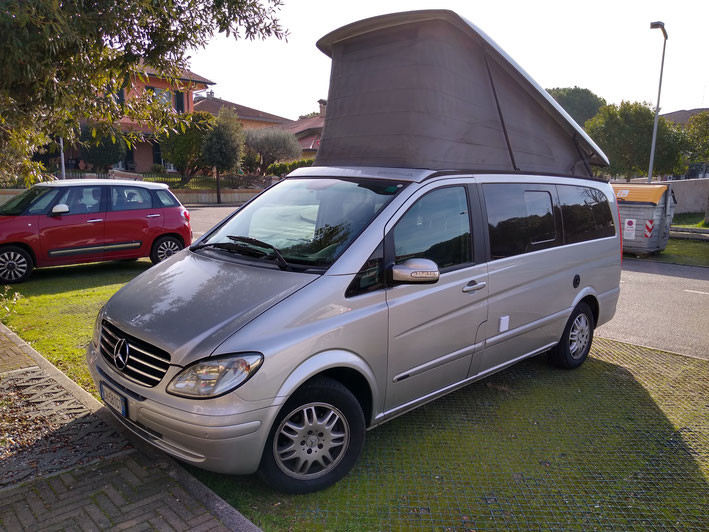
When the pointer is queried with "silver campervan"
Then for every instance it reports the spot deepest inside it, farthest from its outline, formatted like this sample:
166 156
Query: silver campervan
450 228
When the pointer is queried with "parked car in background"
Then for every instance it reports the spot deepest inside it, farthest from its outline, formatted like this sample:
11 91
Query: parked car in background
82 220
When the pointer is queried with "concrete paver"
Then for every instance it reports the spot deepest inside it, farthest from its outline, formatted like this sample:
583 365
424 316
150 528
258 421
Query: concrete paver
74 469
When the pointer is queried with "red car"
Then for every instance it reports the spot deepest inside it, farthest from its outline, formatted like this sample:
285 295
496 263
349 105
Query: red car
84 220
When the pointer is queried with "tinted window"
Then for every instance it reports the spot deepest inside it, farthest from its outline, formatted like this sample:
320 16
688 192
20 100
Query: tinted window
586 213
436 227
166 199
81 200
520 219
130 198
370 276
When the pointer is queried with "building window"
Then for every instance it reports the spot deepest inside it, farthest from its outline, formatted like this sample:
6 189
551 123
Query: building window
179 101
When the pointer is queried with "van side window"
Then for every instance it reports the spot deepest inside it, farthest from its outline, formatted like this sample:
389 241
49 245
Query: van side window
520 219
585 212
370 276
436 227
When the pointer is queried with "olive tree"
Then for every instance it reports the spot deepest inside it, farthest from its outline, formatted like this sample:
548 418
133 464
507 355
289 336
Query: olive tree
272 144
224 145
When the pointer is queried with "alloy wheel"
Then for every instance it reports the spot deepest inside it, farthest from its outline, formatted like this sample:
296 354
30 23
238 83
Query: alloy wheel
13 266
311 441
579 335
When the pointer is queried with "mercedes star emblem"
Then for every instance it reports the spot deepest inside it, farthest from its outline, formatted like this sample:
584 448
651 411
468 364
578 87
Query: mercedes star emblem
121 352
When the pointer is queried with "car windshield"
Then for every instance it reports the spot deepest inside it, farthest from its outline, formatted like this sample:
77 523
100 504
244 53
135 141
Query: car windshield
33 196
308 222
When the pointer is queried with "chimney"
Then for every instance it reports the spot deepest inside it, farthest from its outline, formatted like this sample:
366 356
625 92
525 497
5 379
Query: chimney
323 104
210 94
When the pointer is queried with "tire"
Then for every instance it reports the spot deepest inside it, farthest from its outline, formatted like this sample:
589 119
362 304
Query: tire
307 450
16 265
572 350
165 247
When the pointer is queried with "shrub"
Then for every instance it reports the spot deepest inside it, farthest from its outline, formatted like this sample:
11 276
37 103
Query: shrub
279 169
158 169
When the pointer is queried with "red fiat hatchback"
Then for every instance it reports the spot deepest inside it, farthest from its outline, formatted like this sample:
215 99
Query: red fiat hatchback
83 220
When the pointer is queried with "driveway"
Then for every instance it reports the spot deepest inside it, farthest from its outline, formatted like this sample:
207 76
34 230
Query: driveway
665 306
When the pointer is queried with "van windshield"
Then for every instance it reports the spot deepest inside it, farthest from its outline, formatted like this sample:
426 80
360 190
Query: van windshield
309 222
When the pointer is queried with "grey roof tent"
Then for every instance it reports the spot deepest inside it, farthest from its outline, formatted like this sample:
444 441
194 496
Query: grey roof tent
428 89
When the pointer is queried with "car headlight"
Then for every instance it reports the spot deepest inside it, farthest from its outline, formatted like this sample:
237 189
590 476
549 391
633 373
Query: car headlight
213 377
96 339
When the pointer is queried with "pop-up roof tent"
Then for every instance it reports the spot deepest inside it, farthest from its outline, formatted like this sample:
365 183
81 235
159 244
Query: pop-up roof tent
428 89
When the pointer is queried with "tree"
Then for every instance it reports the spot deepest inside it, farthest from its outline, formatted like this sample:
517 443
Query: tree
698 134
272 144
184 149
224 144
103 152
62 62
624 133
581 104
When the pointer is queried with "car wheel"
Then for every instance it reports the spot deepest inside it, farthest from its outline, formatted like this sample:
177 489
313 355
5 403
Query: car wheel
315 439
15 265
164 247
575 343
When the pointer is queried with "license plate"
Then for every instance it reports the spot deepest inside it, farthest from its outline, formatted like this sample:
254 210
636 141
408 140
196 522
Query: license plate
113 399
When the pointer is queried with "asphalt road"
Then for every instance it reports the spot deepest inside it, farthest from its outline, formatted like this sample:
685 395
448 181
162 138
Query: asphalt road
665 306
204 218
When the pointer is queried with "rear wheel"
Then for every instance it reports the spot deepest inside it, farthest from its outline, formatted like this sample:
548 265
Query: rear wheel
164 247
15 264
575 343
315 440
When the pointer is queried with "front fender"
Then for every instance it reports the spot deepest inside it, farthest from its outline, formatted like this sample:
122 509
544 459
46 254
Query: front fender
325 360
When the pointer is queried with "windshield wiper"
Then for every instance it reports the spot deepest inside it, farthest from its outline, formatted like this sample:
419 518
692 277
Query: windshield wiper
238 246
260 243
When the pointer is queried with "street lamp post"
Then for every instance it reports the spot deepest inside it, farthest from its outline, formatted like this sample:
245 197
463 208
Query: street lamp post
656 25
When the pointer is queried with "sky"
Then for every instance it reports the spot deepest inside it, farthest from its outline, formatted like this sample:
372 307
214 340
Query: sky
605 46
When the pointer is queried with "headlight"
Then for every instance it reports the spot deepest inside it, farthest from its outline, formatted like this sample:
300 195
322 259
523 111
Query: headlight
213 377
96 339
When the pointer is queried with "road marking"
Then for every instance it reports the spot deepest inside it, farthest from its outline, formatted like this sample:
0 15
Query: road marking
697 292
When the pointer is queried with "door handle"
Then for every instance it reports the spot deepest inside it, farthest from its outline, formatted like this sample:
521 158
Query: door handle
474 286
94 220
153 216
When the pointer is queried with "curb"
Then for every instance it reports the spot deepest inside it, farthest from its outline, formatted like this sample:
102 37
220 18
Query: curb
231 518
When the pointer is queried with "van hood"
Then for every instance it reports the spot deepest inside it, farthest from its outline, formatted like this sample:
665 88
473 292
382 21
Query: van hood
189 304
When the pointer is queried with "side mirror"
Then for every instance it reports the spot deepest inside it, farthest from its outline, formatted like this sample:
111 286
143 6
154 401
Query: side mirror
60 208
415 271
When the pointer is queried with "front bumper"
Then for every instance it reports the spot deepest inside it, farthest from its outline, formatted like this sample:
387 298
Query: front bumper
226 443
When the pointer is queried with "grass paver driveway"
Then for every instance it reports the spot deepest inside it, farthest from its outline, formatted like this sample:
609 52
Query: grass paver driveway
621 443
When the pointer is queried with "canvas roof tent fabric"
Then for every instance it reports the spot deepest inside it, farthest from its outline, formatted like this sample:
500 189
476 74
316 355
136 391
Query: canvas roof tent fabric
428 89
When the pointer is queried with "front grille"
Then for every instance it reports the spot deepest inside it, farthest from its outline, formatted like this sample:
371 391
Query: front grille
146 363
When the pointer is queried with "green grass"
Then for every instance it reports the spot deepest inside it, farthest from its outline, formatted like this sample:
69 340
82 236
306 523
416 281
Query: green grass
689 219
679 251
58 308
620 443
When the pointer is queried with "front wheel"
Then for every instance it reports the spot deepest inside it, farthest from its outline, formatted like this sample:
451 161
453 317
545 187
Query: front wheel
164 247
15 265
575 343
315 439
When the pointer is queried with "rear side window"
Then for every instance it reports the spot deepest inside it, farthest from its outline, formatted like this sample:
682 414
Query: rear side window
586 213
130 198
521 219
166 199
436 227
